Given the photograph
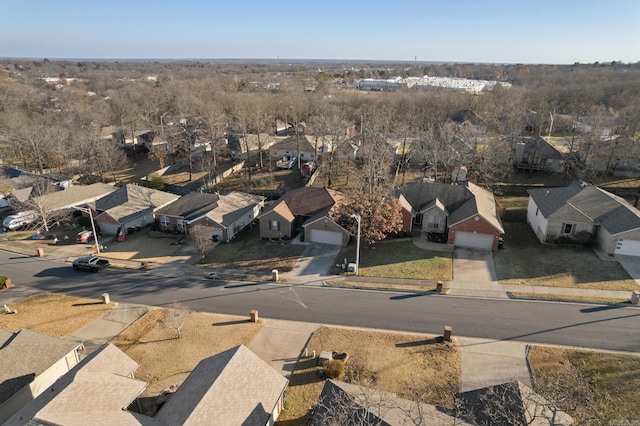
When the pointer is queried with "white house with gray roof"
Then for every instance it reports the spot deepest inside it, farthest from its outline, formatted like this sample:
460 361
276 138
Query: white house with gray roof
30 362
582 213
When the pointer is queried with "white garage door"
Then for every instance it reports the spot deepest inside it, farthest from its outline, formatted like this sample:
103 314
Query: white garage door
326 237
474 240
628 247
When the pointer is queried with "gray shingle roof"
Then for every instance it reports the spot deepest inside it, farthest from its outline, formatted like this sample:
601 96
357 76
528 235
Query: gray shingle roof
231 388
586 203
26 354
191 206
344 403
511 403
75 196
291 144
131 201
233 206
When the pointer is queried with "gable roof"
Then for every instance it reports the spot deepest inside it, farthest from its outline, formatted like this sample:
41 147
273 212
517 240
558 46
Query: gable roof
539 144
233 206
76 195
306 201
96 391
509 403
26 354
191 206
130 201
460 201
291 144
580 202
232 387
344 403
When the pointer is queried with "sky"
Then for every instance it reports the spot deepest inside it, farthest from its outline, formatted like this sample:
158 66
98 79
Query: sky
500 31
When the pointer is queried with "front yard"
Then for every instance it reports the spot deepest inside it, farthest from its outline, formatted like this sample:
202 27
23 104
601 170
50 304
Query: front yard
411 366
248 252
525 261
399 259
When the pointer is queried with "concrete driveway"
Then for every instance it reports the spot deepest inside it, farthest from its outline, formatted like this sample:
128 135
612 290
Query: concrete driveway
473 265
314 264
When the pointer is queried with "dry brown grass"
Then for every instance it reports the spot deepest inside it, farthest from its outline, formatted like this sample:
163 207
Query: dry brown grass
408 365
593 387
140 247
565 298
53 314
152 343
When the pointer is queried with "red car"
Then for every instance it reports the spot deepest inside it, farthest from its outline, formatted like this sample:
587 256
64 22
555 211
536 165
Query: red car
84 236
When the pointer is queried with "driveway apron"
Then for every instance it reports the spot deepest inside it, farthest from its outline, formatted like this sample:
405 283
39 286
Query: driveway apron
314 264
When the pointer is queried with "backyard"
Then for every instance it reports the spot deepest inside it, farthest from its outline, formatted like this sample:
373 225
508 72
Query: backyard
525 261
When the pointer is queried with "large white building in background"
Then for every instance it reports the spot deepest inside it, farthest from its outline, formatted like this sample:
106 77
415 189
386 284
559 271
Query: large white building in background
451 83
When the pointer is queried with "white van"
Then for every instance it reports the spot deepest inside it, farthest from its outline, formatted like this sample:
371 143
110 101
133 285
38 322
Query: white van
18 220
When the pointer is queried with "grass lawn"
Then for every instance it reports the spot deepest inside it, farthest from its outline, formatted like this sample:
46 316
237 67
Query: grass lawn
399 259
53 314
525 261
512 202
603 387
386 361
151 341
565 298
139 246
247 251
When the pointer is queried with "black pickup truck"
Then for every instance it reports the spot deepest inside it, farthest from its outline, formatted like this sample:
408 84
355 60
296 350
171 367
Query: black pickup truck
90 263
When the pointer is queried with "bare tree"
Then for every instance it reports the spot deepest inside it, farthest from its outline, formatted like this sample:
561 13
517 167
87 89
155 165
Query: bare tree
176 317
200 235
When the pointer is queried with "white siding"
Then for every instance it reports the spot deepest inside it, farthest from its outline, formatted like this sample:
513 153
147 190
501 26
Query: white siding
536 220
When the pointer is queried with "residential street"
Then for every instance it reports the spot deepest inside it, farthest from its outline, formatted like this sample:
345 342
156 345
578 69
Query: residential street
584 325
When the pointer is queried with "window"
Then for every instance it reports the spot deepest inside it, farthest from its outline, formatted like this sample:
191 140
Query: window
274 225
164 221
180 224
568 228
433 221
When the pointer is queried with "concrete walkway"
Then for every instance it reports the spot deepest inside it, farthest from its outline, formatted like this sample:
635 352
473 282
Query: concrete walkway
280 343
488 362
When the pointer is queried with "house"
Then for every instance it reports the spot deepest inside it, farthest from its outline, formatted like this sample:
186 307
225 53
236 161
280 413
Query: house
30 362
512 403
176 216
343 403
289 147
131 206
234 387
463 215
346 149
305 209
582 213
536 154
468 118
96 391
239 144
235 211
77 195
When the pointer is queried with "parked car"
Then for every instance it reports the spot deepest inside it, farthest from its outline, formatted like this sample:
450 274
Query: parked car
19 220
84 236
90 263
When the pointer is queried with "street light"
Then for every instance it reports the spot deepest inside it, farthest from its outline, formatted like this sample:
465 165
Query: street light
357 218
93 225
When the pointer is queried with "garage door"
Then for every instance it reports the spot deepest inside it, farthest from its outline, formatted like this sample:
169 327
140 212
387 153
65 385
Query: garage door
473 240
628 247
326 237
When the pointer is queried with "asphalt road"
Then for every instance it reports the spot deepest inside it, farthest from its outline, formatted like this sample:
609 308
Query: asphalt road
575 324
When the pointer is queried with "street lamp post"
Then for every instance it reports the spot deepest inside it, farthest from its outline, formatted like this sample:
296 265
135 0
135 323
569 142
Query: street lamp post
357 218
93 225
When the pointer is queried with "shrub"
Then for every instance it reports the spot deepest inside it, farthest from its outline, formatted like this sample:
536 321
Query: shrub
334 369
155 181
3 280
84 221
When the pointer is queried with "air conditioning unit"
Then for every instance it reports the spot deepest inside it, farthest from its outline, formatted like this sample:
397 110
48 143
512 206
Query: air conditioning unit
352 267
